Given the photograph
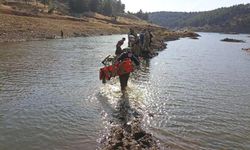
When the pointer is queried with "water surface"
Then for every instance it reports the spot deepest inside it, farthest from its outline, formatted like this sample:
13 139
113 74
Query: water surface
194 95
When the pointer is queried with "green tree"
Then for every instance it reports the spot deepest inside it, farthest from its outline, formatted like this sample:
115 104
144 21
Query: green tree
142 15
107 8
118 6
79 6
95 5
123 8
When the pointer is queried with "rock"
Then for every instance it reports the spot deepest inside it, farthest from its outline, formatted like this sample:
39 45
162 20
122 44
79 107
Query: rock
231 33
139 135
246 49
191 34
134 139
118 145
194 38
50 37
118 133
136 147
232 40
76 34
150 114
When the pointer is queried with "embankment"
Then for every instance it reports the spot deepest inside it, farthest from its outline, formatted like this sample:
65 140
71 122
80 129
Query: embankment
25 26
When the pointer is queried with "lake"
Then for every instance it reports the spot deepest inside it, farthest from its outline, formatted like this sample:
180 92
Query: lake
193 95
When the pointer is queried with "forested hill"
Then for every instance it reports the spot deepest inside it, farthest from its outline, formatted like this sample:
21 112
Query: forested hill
72 7
231 19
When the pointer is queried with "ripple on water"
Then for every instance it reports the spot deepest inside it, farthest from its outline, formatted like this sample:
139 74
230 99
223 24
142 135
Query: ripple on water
192 96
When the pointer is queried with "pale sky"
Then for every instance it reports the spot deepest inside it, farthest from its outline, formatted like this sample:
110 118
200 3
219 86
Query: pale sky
178 5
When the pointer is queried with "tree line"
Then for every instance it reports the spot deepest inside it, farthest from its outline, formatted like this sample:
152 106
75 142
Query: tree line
235 18
106 7
140 14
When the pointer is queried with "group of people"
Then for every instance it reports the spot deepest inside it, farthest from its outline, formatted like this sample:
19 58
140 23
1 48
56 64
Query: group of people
139 46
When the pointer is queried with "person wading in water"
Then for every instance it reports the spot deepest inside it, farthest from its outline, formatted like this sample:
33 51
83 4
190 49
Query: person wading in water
124 77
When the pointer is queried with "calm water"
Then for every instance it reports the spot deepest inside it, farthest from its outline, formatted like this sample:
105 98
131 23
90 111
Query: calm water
194 95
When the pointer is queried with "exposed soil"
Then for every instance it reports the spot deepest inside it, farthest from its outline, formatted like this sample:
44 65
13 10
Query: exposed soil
19 22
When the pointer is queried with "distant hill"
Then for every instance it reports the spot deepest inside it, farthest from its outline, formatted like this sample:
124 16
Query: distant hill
230 19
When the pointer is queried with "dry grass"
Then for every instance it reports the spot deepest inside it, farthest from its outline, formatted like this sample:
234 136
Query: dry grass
22 27
19 23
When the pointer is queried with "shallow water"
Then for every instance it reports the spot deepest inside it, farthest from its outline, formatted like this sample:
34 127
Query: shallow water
194 95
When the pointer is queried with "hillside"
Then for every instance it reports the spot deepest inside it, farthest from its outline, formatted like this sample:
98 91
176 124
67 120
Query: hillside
231 19
21 22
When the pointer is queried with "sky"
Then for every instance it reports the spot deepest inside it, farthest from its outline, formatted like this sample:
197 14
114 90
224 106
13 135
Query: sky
179 5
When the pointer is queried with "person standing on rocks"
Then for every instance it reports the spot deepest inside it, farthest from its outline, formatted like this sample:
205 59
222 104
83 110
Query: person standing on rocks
142 34
150 38
146 44
136 50
132 36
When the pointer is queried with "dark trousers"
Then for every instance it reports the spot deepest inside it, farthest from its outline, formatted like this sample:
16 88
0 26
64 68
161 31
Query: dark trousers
124 80
118 51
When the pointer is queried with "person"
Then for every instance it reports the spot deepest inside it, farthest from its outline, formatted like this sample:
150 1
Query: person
132 37
146 45
136 49
124 77
118 47
151 38
141 41
61 33
142 38
146 41
131 40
